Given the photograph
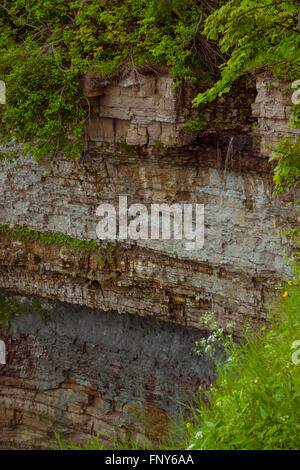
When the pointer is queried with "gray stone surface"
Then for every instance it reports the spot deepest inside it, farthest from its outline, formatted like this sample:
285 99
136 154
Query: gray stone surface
95 372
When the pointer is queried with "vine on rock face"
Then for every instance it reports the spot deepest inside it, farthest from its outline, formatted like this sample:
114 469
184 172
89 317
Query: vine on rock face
47 47
25 234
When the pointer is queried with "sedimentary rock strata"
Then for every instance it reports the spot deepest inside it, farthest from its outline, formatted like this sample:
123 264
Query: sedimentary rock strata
76 373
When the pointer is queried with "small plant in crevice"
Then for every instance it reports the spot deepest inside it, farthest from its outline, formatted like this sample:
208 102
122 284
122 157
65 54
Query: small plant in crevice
126 147
161 146
197 125
8 309
12 307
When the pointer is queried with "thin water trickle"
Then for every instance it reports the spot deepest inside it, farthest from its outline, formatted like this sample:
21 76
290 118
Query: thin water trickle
228 155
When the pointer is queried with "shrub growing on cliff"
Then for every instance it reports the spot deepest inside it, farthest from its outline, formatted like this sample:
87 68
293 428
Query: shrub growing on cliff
260 34
46 48
255 403
257 33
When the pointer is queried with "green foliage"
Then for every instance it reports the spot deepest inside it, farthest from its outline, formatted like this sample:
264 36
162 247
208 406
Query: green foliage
295 115
287 171
255 403
261 33
95 444
198 125
161 146
286 175
46 238
4 228
11 307
8 309
256 33
46 48
126 147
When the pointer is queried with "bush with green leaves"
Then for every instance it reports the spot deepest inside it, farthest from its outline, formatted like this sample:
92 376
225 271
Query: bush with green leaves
47 47
255 403
256 33
260 34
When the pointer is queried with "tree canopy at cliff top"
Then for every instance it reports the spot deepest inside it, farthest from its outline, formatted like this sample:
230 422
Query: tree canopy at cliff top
47 46
256 33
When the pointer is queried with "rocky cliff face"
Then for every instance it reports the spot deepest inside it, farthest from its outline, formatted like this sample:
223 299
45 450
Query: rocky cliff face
139 148
82 372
